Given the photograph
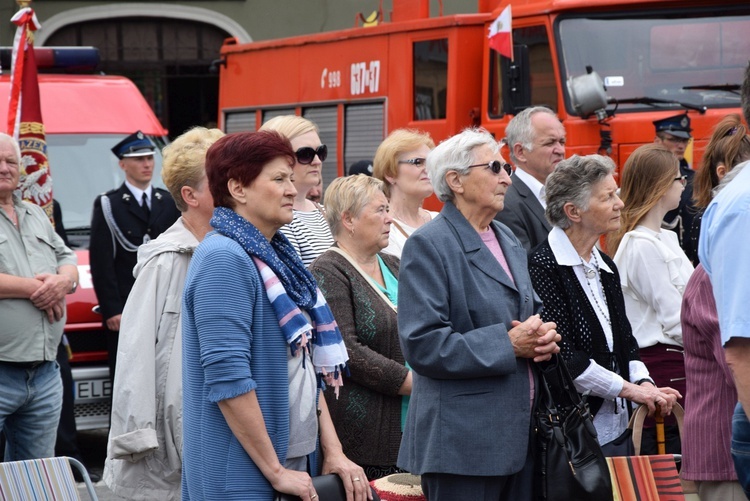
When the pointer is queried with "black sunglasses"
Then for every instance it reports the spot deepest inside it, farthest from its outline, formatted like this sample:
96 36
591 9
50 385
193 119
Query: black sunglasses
495 166
307 154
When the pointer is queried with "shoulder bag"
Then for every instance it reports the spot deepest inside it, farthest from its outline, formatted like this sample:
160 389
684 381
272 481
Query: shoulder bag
569 461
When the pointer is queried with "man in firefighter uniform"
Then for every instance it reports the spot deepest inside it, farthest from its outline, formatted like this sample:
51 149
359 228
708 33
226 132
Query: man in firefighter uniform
122 220
674 134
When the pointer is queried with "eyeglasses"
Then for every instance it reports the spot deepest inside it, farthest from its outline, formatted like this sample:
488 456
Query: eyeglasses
307 154
495 166
414 161
682 179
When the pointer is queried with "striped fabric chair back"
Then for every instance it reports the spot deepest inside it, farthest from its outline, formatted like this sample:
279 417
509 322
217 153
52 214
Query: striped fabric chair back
42 479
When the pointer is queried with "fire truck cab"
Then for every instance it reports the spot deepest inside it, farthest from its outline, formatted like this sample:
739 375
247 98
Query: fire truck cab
84 116
607 68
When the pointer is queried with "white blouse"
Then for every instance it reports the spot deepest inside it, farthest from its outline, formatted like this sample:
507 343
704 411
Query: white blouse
397 238
654 271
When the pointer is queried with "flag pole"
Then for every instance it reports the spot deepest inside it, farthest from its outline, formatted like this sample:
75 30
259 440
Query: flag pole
25 122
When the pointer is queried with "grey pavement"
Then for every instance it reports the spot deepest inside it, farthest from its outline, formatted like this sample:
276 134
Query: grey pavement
93 445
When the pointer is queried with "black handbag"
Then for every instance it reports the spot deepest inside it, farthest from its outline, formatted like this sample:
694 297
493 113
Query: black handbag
569 461
328 487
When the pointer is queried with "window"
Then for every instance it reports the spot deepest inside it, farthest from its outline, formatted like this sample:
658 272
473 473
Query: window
528 43
430 79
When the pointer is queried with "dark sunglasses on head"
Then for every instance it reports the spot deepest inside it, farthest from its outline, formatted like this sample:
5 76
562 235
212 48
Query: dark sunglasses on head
495 166
307 154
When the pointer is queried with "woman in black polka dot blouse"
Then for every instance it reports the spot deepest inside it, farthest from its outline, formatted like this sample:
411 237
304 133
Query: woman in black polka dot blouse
580 288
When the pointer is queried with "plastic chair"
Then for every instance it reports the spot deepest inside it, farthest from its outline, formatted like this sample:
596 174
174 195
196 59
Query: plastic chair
46 478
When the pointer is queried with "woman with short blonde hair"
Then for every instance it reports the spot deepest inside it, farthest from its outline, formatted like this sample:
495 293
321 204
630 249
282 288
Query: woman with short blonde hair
360 284
400 162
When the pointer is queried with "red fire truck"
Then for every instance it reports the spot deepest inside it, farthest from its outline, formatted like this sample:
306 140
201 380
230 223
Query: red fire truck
609 68
84 116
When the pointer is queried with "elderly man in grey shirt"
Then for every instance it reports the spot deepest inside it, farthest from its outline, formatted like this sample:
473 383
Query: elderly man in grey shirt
36 272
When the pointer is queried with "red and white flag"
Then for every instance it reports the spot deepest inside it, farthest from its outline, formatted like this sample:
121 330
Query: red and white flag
25 114
501 38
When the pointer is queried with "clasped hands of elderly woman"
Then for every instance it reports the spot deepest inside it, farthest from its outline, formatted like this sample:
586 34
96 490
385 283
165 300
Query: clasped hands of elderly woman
535 339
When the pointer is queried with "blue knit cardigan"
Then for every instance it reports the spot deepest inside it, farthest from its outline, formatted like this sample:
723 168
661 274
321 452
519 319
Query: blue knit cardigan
232 344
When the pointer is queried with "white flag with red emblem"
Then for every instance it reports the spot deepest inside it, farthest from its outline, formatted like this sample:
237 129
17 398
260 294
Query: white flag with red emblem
500 36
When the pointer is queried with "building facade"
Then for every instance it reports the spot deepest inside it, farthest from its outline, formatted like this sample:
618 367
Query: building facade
167 47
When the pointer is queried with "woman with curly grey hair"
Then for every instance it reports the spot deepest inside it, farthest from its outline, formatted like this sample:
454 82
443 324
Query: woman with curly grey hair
580 289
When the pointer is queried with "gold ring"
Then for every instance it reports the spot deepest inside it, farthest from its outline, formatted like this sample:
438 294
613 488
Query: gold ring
355 479
313 496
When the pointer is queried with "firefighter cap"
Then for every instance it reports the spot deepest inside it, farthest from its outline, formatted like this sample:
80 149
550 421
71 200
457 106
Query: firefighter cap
135 145
678 126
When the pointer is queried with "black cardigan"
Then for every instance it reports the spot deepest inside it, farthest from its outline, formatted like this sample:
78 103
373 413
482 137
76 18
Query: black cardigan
566 304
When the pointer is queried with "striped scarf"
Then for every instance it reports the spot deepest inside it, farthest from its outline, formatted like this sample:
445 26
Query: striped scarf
303 313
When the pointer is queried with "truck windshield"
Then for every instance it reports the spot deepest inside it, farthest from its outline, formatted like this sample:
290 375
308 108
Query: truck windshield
661 55
82 168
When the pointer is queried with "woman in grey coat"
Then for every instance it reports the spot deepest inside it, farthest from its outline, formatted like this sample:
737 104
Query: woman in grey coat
469 331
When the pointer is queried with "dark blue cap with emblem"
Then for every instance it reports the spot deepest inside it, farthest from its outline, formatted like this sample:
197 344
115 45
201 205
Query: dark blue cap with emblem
135 145
678 126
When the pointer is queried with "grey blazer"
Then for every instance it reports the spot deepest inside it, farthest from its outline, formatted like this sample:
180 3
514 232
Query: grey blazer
469 412
524 215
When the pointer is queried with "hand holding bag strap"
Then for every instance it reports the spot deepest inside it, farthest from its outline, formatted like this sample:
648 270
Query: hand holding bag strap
639 416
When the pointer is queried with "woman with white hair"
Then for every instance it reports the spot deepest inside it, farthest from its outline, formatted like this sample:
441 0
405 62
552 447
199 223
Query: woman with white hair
580 289
469 330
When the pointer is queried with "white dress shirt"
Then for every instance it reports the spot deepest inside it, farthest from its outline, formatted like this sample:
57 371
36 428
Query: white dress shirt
138 193
534 185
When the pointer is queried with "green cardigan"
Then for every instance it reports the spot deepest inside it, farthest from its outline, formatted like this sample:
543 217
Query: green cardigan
367 414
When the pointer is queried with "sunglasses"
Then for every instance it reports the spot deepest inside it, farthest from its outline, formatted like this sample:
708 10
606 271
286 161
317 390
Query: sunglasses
414 161
495 166
307 154
682 179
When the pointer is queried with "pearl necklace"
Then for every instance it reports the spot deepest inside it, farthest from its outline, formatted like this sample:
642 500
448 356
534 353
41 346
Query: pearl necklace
590 273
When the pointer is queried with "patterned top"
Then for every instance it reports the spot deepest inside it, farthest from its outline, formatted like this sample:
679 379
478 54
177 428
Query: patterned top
309 233
367 414
566 304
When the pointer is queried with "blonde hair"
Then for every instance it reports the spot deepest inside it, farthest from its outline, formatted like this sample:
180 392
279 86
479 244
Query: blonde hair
290 126
184 161
349 194
647 175
399 141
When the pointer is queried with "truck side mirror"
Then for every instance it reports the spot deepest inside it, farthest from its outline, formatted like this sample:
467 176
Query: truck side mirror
516 79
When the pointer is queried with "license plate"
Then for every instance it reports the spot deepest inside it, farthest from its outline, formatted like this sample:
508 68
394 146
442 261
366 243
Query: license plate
93 389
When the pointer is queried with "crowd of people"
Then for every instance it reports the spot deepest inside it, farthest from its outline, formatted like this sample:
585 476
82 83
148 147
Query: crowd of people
257 339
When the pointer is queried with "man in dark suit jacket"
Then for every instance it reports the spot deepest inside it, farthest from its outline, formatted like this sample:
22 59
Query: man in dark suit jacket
536 139
122 220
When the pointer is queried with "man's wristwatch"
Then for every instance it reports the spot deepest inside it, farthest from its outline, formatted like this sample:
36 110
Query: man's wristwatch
645 380
73 288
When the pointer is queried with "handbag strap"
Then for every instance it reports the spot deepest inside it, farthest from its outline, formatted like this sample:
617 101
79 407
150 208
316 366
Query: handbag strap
399 228
557 364
367 278
639 416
